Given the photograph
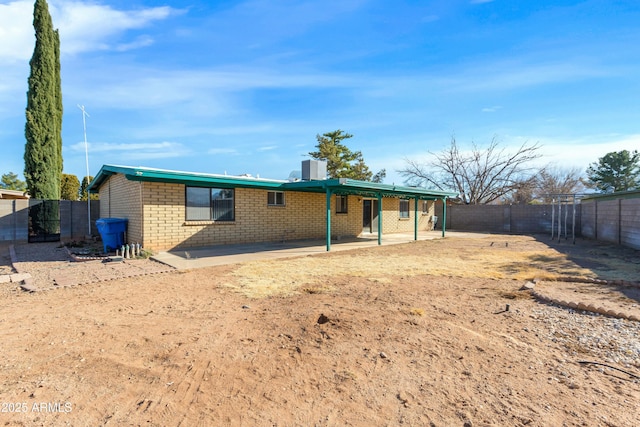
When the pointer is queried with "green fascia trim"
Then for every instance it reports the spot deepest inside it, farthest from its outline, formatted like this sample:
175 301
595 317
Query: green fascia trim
178 177
341 186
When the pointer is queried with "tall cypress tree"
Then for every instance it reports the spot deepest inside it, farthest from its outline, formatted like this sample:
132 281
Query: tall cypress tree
43 130
58 89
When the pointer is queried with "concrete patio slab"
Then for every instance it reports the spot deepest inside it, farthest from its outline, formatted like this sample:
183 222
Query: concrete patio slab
185 259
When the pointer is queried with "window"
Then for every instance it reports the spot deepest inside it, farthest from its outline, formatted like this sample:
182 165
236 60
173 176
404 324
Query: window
341 204
210 204
222 204
275 198
425 207
404 208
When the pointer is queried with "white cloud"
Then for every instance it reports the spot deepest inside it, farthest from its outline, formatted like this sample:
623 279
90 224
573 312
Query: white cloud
587 151
491 109
139 42
522 73
222 151
132 151
86 27
135 88
16 31
82 26
575 152
268 148
258 23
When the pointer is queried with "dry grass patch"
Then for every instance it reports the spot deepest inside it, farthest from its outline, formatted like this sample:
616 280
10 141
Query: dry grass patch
416 311
495 257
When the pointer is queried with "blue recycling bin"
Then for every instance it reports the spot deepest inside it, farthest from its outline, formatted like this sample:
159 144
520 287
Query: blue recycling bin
112 231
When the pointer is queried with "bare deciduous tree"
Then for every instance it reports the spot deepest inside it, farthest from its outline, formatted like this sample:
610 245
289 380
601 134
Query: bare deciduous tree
554 180
524 192
480 176
547 184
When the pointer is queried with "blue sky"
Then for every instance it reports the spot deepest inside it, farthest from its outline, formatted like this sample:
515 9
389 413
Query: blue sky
245 86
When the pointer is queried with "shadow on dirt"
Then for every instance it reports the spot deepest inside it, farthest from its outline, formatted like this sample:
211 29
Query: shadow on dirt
607 261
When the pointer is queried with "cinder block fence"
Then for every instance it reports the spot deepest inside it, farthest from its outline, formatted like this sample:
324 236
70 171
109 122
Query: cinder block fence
14 220
613 218
514 219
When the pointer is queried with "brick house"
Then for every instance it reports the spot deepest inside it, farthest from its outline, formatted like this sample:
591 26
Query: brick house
173 209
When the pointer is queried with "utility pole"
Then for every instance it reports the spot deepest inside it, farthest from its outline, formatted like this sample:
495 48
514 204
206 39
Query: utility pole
86 156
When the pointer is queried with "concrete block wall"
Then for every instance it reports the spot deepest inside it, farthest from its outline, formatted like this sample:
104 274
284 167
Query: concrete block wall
157 216
121 198
14 220
614 220
344 225
481 218
516 219
533 219
630 223
608 216
302 217
163 215
392 223
74 217
588 219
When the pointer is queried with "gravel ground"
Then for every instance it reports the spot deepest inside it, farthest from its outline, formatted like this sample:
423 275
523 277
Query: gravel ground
612 341
50 264
5 261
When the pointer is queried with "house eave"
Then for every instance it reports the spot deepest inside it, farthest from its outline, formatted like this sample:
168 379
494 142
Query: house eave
342 186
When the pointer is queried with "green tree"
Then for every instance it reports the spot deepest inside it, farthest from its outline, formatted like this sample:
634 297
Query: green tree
83 189
380 176
616 171
341 161
69 187
43 149
10 181
58 101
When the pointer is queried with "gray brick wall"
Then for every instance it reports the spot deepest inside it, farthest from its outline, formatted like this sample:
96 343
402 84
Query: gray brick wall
515 219
14 220
630 223
615 220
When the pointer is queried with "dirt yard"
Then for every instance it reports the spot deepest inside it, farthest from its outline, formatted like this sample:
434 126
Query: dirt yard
427 333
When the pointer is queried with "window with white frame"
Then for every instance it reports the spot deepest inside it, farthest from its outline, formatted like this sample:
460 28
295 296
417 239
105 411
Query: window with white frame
404 208
275 198
341 205
210 204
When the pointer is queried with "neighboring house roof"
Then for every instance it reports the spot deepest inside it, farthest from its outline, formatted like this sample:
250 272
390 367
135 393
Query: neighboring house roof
631 194
336 185
13 194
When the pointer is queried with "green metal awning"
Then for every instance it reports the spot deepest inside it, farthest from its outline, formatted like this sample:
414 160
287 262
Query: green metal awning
336 186
345 186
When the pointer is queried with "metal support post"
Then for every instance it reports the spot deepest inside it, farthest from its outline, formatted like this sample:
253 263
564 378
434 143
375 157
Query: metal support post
415 220
444 215
328 230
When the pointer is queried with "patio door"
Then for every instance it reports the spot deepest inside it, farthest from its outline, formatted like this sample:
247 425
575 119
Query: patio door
369 216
